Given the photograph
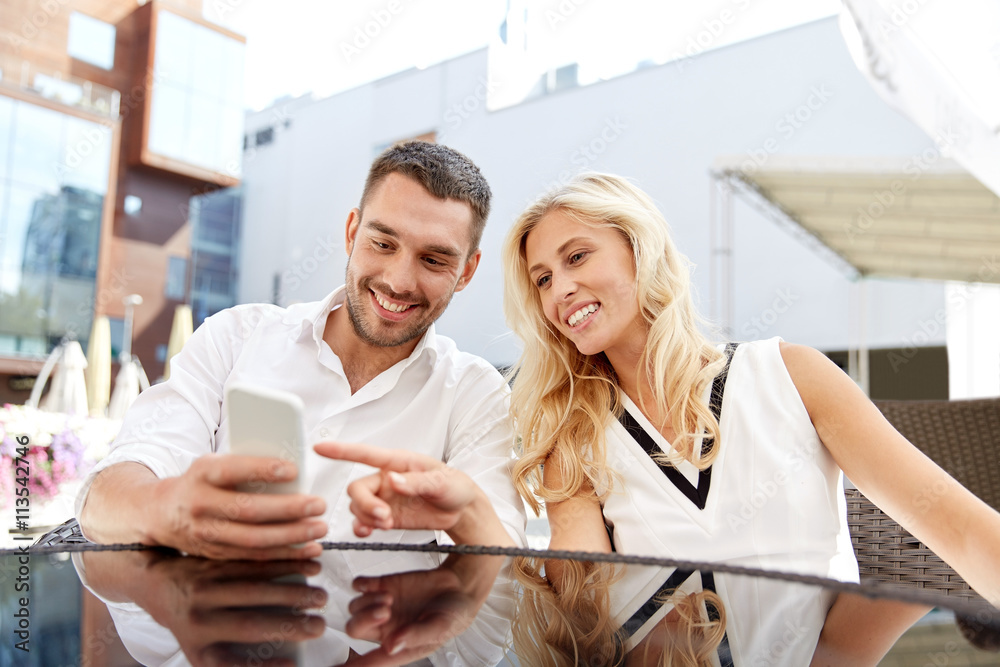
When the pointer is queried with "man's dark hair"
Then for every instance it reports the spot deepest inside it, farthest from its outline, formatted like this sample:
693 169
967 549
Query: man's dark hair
443 171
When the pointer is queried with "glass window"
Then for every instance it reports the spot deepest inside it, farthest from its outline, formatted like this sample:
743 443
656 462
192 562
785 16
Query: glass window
116 327
36 145
196 108
91 40
265 136
168 121
6 136
176 277
84 163
51 204
215 233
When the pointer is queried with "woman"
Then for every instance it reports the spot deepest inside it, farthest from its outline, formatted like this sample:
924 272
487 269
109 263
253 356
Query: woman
618 438
640 435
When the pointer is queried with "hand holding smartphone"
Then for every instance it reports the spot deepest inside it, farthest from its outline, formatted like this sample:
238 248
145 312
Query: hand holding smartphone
266 422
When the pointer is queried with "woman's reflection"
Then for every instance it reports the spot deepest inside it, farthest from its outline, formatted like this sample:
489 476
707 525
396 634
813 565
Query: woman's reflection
586 619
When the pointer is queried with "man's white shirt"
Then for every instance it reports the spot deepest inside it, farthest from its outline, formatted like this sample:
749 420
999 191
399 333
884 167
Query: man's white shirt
438 401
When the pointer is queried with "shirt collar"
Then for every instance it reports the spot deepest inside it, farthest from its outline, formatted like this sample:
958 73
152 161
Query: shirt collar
311 318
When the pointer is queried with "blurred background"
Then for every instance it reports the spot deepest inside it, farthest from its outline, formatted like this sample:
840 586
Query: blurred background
830 168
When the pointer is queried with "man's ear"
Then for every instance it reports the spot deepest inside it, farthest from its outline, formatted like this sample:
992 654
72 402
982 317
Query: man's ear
351 229
469 270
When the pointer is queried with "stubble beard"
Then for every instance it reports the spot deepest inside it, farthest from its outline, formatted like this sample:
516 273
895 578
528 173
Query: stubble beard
368 332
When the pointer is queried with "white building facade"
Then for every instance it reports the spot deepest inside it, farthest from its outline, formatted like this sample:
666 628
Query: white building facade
792 93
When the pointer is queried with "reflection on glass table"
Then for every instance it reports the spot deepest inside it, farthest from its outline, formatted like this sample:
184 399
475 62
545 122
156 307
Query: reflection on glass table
363 607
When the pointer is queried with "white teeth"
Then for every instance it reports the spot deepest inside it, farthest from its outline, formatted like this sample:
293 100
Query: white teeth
581 314
390 307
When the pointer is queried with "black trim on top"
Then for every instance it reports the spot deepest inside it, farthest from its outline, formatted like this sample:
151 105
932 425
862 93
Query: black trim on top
674 581
696 494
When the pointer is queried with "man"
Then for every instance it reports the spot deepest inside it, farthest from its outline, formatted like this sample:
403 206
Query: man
366 362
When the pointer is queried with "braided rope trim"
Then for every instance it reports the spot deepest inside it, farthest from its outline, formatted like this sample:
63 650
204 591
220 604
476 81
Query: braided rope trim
959 605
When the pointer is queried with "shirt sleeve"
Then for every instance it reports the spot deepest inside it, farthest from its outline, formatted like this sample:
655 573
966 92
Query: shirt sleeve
173 423
481 446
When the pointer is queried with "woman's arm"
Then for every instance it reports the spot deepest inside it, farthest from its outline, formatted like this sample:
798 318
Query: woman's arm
576 524
895 475
860 630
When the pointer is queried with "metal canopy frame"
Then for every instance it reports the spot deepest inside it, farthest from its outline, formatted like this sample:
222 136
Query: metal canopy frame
920 217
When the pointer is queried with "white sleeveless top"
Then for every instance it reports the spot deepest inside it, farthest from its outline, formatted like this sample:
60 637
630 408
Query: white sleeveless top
774 501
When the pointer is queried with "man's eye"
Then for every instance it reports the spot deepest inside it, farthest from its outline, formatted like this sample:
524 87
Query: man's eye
576 257
432 261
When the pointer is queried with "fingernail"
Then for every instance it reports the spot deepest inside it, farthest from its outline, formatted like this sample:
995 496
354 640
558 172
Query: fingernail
381 512
314 508
397 479
315 626
397 648
381 614
316 531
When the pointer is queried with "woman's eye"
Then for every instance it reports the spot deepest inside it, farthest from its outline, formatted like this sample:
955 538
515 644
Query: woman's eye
542 281
576 257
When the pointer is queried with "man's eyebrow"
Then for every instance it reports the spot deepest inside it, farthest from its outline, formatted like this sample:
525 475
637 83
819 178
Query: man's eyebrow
382 229
447 251
560 250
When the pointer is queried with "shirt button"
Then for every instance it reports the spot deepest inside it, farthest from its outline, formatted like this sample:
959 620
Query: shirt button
323 432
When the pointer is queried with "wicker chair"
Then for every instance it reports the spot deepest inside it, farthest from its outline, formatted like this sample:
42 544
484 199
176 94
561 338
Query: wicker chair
963 437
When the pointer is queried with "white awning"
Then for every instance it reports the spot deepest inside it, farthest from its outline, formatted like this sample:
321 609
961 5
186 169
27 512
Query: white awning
918 217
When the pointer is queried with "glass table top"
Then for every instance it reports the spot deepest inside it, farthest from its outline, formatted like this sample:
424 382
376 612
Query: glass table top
72 605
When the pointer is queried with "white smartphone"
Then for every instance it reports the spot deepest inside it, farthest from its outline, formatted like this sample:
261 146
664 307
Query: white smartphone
266 422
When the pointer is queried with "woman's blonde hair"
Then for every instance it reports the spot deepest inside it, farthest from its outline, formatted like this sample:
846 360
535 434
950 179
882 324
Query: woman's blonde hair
564 399
573 626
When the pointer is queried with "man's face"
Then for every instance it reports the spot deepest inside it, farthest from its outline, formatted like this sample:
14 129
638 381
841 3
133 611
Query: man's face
408 255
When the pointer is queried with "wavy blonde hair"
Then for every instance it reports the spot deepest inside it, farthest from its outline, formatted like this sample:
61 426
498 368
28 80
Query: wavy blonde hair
564 399
572 626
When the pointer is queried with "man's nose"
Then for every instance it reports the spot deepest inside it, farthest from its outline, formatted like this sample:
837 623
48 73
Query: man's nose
400 274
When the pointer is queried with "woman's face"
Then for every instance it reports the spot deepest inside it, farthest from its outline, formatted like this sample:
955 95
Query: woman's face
585 277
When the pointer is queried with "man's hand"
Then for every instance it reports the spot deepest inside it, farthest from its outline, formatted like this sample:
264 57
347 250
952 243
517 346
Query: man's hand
202 513
220 613
415 491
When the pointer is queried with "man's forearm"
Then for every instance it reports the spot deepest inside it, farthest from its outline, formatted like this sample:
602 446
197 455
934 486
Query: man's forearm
119 506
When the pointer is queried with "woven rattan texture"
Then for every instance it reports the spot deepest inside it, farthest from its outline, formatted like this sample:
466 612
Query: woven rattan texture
887 554
963 437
